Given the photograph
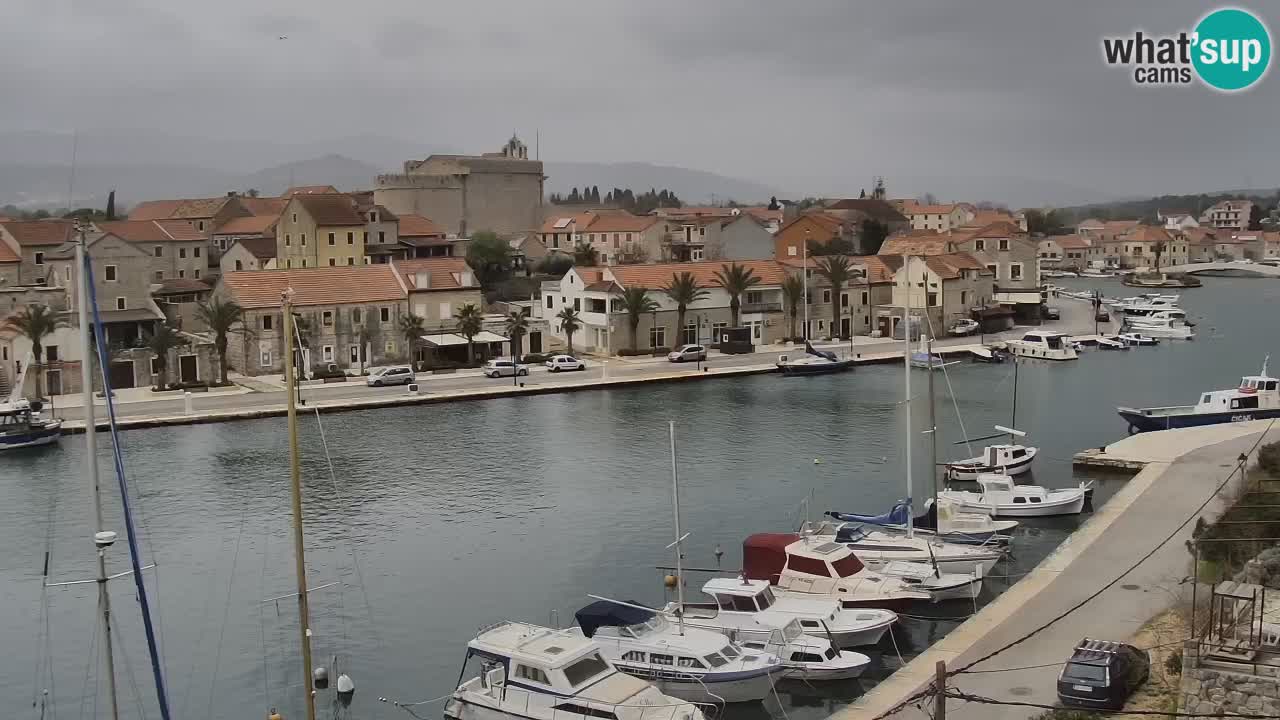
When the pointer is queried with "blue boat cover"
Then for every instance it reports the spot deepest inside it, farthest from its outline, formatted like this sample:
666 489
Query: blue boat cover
820 353
603 613
896 516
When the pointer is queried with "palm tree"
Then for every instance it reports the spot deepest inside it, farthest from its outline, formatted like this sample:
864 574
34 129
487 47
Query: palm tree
470 323
1159 250
584 255
35 322
736 279
793 293
412 328
569 323
636 301
161 341
684 291
222 317
836 270
517 328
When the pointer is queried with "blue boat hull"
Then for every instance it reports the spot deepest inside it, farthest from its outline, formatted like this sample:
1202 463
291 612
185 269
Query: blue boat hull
1139 422
30 438
816 368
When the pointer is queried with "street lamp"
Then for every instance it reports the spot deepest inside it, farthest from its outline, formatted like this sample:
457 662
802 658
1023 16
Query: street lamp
653 332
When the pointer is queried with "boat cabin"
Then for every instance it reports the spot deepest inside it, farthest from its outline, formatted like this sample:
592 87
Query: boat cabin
769 556
1003 455
537 659
1051 340
629 626
1254 392
995 483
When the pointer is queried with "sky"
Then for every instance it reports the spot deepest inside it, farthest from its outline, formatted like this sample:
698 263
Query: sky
815 96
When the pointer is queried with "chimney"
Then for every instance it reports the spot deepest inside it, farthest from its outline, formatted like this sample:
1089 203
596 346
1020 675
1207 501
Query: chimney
422 279
231 193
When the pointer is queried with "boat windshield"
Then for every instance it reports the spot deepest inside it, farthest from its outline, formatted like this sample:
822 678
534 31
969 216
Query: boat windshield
847 566
765 599
586 669
730 652
653 624
792 630
1053 341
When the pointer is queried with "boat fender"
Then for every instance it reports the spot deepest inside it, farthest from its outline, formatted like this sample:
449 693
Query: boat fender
273 715
669 581
321 677
346 685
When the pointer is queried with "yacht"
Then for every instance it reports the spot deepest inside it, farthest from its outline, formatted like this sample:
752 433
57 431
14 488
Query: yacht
805 567
684 662
813 362
1151 306
940 519
878 548
999 496
528 672
751 608
22 425
1045 345
1006 458
1256 398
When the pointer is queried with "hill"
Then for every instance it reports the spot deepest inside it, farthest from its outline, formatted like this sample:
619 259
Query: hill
1146 209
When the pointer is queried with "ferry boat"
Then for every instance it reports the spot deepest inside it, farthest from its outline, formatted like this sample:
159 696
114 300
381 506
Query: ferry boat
22 426
1257 398
1045 345
528 672
685 662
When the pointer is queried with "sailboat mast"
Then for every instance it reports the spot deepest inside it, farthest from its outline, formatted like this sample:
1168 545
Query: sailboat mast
1013 422
102 538
933 430
804 278
295 492
906 370
675 494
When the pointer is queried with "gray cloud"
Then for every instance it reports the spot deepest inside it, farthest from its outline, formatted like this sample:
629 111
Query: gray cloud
964 99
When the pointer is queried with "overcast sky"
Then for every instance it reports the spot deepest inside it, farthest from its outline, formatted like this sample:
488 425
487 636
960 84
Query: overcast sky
808 96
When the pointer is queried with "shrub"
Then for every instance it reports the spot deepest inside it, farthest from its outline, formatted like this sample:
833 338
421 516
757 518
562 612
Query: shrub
1269 458
1173 663
628 352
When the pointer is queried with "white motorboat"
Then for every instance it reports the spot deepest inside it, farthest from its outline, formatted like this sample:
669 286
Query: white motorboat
1172 331
752 609
963 326
999 496
685 662
985 354
1044 345
1005 458
554 675
877 549
1136 338
813 362
808 566
1106 343
1162 317
21 424
1150 307
940 519
1094 274
806 657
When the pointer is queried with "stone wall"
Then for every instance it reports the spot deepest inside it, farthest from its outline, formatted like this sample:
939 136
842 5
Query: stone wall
1215 689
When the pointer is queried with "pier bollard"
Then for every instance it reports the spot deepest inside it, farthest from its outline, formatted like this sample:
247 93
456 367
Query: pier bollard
413 388
186 401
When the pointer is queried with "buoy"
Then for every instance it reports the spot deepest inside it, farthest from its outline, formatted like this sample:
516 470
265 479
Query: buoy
321 677
817 461
345 684
669 581
273 715
719 554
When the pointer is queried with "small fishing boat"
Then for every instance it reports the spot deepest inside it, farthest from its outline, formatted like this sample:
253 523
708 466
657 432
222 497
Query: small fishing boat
999 496
941 520
1256 398
963 326
753 607
1044 345
987 354
813 362
1094 274
684 662
1110 343
878 548
1002 458
926 359
1161 317
554 675
1170 330
22 425
1135 338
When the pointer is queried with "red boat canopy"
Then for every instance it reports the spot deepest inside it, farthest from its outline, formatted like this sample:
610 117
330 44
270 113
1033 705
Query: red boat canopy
765 554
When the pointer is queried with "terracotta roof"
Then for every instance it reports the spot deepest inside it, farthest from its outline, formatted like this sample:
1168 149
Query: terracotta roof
262 248
188 208
442 272
203 208
252 225
602 286
880 269
948 266
1199 235
264 205
7 255
1000 229
1119 225
1147 233
330 209
38 233
986 217
418 226
929 209
154 209
181 285
577 221
878 209
150 231
655 276
1091 222
315 286
310 190
694 210
917 243
619 222
1071 242
764 214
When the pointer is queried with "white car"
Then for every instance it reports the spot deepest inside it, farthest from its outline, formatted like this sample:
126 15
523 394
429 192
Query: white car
558 363
504 368
687 353
394 375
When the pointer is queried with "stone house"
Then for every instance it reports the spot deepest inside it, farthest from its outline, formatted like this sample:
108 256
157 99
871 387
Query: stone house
205 214
253 227
1137 248
1228 215
121 282
1068 252
318 230
741 237
335 303
940 288
942 218
437 289
859 210
814 229
858 299
176 248
249 254
31 242
422 238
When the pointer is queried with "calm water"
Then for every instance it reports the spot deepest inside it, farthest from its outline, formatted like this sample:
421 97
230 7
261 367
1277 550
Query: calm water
449 517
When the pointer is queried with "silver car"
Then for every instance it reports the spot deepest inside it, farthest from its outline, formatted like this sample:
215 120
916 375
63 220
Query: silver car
504 368
560 363
688 353
394 375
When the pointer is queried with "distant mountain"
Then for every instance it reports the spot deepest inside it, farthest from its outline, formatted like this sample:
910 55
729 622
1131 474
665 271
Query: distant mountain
691 186
341 172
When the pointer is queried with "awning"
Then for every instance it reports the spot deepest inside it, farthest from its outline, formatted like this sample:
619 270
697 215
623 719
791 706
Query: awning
450 339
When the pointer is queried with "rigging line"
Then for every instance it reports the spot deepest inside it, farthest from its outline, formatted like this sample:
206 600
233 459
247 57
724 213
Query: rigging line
89 657
133 680
46 646
262 615
333 479
946 375
1240 467
204 624
226 606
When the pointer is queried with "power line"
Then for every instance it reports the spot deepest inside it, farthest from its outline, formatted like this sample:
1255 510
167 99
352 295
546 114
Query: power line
958 695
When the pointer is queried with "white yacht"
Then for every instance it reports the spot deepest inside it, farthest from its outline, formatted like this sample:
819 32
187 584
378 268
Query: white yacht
1043 344
878 548
1006 458
528 672
999 496
940 519
683 661
752 608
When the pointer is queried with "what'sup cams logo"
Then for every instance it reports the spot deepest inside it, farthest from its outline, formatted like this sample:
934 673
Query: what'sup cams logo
1229 50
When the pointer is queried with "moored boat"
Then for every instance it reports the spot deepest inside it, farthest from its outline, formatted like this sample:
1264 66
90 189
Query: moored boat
1044 345
999 496
22 426
940 519
1005 458
813 362
1256 398
985 354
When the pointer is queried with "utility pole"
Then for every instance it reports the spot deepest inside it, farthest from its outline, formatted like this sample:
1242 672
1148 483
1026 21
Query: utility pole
940 687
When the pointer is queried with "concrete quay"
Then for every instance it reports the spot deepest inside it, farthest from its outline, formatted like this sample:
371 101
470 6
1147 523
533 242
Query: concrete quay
1181 469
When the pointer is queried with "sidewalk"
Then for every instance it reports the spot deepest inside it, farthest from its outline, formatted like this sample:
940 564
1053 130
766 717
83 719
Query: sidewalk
125 396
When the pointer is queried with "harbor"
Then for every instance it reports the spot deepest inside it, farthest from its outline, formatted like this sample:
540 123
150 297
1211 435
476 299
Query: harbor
441 519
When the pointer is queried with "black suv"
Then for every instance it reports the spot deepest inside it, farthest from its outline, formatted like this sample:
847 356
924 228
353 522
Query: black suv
1102 674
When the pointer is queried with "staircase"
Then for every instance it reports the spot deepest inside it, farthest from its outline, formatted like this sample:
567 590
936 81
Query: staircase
4 385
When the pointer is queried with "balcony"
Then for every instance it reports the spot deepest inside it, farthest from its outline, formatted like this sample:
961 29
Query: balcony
763 307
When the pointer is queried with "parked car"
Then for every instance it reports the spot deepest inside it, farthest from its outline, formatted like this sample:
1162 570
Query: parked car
394 375
1102 674
558 363
688 353
504 368
1052 313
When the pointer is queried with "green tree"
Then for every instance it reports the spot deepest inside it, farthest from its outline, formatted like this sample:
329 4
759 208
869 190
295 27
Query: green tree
736 280
490 257
569 323
35 322
836 270
517 328
222 317
470 323
412 328
874 233
584 255
1158 249
555 263
368 332
636 301
684 291
773 203
160 342
793 294
1256 213
834 246
111 205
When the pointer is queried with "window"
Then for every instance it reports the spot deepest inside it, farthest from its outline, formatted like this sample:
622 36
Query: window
304 262
628 237
120 303
844 300
286 239
755 297
159 275
847 565
657 336
577 304
288 263
690 334
182 253
268 321
932 300
715 661
382 236
200 225
182 273
864 298
385 314
615 241
355 316
1004 243
658 659
586 669
39 258
239 265
994 270
807 566
326 353
158 251
805 657
390 347
351 238
964 298
550 301
688 662
331 239
791 251
1015 271
697 254
979 245
333 262
51 353
195 252
826 296
264 358
326 318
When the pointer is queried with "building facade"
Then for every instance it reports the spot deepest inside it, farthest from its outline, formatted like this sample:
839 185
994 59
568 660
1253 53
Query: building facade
318 230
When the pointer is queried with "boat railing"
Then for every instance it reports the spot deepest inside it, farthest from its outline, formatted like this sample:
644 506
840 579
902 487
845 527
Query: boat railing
527 703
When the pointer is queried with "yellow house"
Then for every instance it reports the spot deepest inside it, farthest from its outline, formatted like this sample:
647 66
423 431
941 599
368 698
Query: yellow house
321 230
